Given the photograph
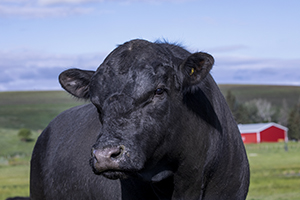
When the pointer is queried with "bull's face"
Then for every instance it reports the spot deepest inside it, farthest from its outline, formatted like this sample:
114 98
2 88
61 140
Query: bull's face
138 93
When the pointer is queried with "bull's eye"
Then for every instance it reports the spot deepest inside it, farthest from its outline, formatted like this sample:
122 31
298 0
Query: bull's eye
159 91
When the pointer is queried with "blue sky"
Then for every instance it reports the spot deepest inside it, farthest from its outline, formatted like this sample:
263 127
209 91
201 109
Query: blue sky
253 42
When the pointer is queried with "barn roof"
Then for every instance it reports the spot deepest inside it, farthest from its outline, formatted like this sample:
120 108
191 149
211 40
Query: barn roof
254 128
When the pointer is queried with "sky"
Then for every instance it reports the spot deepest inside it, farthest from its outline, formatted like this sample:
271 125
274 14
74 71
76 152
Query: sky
253 42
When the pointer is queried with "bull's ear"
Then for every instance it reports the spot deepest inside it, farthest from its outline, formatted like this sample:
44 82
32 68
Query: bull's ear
195 68
76 82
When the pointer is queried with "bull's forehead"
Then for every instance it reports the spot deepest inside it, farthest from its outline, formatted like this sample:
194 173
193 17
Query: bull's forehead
137 78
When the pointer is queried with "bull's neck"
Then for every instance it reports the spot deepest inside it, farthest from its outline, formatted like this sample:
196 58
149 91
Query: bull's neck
164 189
195 152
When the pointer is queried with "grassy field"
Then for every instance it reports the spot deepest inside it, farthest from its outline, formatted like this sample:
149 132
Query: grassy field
275 173
14 163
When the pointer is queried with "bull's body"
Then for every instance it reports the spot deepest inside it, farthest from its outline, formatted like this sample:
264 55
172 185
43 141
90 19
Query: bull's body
181 142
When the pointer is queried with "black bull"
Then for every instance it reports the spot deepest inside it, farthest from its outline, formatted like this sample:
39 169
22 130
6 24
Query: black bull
158 128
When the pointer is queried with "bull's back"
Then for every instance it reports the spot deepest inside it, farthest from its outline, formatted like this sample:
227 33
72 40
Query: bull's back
60 160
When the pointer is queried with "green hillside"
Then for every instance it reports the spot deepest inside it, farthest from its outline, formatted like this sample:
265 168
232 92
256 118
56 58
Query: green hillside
273 93
33 110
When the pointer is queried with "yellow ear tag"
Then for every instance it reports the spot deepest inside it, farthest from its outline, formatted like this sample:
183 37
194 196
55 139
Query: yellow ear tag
192 71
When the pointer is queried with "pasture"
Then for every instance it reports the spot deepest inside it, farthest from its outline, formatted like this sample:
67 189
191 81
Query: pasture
275 173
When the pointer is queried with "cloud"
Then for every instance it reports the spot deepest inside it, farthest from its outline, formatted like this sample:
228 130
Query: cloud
40 71
33 9
247 70
60 8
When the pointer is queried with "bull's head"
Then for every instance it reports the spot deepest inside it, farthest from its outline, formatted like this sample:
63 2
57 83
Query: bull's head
138 91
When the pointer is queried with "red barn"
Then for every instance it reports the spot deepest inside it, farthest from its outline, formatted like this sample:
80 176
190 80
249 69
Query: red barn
263 132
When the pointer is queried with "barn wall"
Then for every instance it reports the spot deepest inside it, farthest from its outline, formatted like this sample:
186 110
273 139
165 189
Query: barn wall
272 134
249 138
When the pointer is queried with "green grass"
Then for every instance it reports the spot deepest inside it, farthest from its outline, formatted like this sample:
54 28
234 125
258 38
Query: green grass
14 163
275 173
14 181
11 145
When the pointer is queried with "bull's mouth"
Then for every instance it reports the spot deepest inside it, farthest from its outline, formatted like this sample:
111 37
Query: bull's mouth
112 173
121 173
115 174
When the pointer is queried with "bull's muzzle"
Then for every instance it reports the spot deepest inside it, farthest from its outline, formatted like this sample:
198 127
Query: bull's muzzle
107 159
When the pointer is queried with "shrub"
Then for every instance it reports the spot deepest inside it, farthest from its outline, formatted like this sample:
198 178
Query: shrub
24 134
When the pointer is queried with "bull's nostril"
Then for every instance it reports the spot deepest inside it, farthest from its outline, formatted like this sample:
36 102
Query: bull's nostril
118 152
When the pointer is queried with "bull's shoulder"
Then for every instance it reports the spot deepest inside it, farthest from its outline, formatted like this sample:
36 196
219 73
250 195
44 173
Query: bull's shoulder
77 112
75 117
77 123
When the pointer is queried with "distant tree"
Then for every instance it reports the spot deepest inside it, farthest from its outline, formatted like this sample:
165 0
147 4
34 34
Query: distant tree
265 110
260 110
235 107
252 112
283 114
241 115
231 101
24 134
294 123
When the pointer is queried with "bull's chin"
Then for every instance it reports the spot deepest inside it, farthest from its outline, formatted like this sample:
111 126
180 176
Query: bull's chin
112 174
